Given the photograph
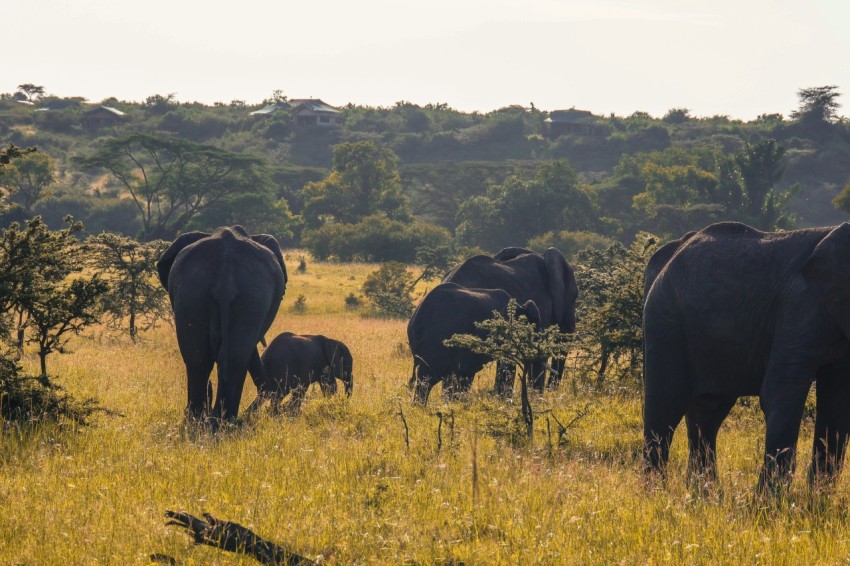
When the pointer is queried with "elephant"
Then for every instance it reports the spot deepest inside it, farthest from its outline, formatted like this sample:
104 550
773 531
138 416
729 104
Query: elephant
546 279
293 361
737 312
225 290
446 310
659 259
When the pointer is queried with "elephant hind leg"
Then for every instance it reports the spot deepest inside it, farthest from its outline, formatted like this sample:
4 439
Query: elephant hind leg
199 388
504 385
832 423
704 418
668 387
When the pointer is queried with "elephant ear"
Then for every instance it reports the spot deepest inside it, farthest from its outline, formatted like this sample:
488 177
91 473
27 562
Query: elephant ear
562 286
163 266
269 242
827 275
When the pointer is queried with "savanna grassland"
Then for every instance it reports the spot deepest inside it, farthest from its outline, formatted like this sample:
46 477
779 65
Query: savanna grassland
339 482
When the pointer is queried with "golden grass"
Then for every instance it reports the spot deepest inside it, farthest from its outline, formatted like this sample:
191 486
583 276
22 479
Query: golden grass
339 482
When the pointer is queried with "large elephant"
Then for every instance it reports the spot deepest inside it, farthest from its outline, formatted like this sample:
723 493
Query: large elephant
737 312
294 361
225 290
447 310
546 279
659 259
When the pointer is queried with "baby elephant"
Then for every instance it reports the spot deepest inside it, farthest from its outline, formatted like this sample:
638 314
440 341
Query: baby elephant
293 361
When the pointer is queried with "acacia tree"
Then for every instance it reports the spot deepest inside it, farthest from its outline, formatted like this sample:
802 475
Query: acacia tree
31 91
172 180
28 180
818 104
135 297
515 341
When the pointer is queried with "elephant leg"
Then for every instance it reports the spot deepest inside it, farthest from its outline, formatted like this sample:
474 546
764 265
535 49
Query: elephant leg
783 396
832 424
296 399
703 419
558 366
422 389
451 386
667 396
257 371
199 388
538 375
504 386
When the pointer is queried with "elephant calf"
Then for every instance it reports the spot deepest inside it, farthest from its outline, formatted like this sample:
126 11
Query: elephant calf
293 361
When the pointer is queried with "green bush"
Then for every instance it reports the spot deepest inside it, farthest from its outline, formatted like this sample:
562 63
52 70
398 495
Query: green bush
375 238
569 242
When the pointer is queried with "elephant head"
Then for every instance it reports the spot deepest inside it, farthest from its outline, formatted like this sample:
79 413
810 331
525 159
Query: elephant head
340 366
827 275
166 261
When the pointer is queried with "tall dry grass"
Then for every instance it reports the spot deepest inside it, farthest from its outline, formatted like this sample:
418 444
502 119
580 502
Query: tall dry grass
339 481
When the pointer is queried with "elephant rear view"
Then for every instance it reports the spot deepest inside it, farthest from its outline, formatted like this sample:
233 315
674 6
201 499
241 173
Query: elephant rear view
737 312
225 290
294 361
447 310
545 279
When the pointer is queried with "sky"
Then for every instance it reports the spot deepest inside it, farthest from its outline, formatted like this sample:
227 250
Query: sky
739 58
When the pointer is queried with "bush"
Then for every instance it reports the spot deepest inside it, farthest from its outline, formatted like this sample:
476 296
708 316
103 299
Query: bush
388 289
375 238
570 243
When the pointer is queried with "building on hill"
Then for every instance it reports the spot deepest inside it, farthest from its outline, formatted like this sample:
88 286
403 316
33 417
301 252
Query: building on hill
573 121
307 112
314 112
101 116
270 109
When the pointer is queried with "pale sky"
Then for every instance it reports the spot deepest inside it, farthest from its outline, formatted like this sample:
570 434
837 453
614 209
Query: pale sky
735 57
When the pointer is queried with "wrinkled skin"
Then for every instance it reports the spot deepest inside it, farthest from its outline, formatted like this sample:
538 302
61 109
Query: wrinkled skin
225 290
545 279
737 312
447 310
292 362
659 259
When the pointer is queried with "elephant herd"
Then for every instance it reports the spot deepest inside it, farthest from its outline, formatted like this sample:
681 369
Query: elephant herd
729 311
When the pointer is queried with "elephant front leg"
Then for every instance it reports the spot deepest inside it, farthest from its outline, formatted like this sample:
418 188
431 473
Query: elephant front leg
704 418
832 426
504 386
782 400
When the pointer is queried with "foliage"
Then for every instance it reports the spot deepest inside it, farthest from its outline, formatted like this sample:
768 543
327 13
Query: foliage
518 209
364 181
31 91
62 310
171 180
36 265
374 238
610 311
135 299
28 179
26 401
569 242
389 288
817 104
515 341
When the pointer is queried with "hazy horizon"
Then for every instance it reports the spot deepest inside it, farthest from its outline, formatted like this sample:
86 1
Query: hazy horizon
726 58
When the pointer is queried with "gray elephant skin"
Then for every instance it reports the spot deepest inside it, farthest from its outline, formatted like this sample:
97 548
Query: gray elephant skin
737 312
447 310
546 279
294 361
225 290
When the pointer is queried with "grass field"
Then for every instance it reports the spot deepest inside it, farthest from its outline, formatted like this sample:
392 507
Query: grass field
339 481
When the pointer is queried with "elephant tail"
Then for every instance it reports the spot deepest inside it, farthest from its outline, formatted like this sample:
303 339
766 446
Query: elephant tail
224 293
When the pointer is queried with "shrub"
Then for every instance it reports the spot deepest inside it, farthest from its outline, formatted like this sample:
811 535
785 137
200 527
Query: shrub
570 243
389 288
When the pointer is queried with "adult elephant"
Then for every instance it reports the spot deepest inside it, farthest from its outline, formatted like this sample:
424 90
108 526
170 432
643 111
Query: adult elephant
545 279
447 310
293 362
225 290
659 259
737 312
